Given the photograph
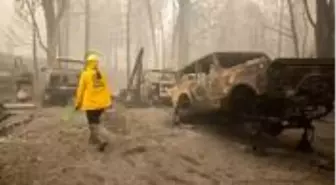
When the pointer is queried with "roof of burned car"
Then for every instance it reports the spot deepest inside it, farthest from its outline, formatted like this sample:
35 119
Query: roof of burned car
305 61
226 59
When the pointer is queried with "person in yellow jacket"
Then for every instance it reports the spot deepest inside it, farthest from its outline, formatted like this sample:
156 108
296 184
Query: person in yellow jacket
93 97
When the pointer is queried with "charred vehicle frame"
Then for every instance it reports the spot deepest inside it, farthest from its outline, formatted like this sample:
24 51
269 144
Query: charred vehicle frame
270 95
154 85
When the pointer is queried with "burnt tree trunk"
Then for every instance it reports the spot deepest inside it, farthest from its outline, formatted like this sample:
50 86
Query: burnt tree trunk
183 39
324 30
53 12
293 28
152 29
128 40
324 27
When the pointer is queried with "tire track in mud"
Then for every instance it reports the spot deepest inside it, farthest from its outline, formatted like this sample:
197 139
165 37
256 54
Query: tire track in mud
185 169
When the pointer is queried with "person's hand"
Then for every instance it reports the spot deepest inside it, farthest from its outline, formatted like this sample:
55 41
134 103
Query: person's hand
77 107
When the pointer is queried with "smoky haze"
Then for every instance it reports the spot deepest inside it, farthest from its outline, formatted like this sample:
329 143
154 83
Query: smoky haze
202 92
172 32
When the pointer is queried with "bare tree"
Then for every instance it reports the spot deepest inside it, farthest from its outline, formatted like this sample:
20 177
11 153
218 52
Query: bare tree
152 29
183 19
53 11
163 43
280 26
295 38
128 39
324 27
174 30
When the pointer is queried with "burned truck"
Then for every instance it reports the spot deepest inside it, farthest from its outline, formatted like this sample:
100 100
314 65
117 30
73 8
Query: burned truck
154 86
147 87
271 95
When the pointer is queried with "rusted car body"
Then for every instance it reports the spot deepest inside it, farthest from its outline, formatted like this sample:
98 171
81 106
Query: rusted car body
272 94
208 83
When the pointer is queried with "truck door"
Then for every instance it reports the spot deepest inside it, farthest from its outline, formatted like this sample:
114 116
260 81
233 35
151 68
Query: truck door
214 83
200 91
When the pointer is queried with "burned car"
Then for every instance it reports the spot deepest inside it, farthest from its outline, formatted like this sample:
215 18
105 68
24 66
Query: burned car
155 84
272 95
207 84
151 89
61 82
24 81
16 83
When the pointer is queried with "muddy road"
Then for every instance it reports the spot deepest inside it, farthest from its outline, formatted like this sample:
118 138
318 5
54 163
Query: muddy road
147 150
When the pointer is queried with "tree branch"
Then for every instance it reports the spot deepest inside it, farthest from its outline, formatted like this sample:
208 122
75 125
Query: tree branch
279 31
305 35
294 30
310 18
13 37
61 11
32 11
331 15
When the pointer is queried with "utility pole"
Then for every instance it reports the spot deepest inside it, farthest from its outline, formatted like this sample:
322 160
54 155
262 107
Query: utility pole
87 25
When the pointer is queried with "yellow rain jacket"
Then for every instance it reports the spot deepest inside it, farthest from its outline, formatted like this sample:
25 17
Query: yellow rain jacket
92 93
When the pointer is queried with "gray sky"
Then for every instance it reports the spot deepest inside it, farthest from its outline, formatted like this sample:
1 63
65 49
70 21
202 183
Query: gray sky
6 9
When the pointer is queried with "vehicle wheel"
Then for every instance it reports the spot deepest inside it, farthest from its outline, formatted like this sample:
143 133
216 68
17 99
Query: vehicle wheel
242 100
182 112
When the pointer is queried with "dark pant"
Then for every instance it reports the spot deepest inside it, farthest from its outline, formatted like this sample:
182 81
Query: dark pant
93 116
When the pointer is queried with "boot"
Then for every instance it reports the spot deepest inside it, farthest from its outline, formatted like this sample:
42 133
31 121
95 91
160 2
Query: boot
94 138
99 136
105 137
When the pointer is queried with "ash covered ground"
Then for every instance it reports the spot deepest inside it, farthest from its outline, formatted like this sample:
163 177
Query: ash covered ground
148 150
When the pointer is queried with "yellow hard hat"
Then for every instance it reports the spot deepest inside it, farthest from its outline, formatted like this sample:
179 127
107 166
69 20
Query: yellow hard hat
93 57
